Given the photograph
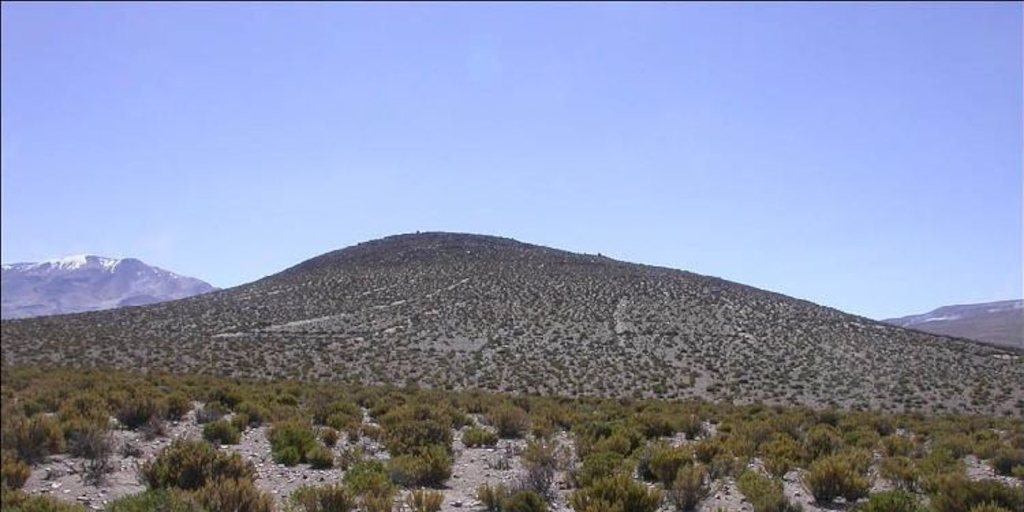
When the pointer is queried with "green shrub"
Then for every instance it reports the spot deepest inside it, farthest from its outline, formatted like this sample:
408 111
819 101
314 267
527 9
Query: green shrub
655 424
598 466
320 457
257 414
177 405
327 498
898 446
833 476
781 454
137 410
162 500
540 461
476 437
619 492
431 466
510 421
1006 460
989 507
410 427
369 477
822 440
524 501
901 472
378 503
492 496
32 439
290 442
691 426
18 501
188 464
893 501
14 472
764 494
962 495
229 494
329 436
937 468
664 462
221 432
424 501
690 487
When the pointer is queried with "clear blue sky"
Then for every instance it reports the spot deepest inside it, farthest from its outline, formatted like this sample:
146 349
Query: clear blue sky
863 156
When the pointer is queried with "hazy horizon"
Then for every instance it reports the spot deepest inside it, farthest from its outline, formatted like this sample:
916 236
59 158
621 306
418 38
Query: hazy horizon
865 157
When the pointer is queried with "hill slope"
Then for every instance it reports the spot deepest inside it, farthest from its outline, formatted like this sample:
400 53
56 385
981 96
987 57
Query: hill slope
1000 323
456 310
88 283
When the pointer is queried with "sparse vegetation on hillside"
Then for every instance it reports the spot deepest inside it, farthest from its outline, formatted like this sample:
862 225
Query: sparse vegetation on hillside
456 312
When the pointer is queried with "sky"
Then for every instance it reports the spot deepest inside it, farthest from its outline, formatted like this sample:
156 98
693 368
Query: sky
867 157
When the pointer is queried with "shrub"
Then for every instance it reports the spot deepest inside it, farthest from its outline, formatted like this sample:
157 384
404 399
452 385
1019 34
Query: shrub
691 426
830 477
431 466
1006 460
654 424
178 405
155 427
937 468
901 472
369 477
256 414
491 497
14 472
33 439
95 446
290 442
221 432
764 494
822 440
327 498
989 507
618 492
893 501
962 495
188 464
424 501
781 454
663 462
137 410
540 460
17 501
598 466
898 446
476 437
378 503
234 495
510 421
210 412
411 427
320 457
690 487
163 500
524 501
329 436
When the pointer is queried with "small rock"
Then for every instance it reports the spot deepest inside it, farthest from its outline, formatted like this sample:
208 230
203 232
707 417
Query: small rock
457 504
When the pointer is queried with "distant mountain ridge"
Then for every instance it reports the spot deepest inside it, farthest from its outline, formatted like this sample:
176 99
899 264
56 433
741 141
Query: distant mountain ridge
80 283
1000 323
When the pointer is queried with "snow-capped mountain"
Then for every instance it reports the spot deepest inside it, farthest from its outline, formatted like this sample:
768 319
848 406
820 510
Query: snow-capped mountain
86 283
1001 323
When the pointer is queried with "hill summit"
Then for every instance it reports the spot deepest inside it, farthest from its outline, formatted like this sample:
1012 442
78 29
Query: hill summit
471 311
